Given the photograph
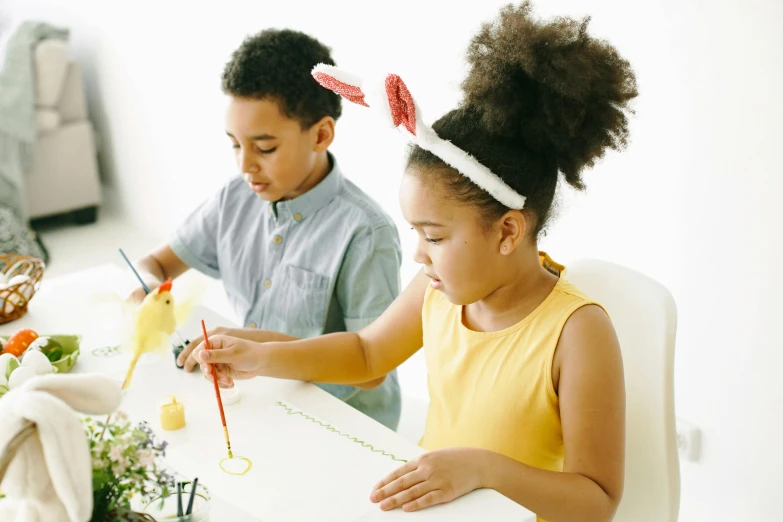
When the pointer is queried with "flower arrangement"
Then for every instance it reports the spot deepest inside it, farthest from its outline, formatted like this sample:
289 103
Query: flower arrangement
125 463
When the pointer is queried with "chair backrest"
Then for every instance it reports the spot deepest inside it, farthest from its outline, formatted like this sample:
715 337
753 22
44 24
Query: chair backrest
645 318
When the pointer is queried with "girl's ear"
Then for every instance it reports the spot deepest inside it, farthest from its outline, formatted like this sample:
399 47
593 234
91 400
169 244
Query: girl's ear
513 226
322 134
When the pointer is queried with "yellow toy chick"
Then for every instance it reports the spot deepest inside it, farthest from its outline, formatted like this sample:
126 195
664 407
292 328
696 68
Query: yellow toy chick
155 321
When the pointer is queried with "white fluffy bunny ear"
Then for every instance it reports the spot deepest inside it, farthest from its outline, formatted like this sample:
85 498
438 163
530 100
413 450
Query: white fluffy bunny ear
49 402
66 451
370 94
92 394
343 83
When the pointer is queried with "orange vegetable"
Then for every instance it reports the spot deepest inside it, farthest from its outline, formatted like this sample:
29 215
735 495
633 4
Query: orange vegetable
18 343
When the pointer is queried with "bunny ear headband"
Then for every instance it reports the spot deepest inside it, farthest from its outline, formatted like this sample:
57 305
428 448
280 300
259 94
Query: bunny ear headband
393 100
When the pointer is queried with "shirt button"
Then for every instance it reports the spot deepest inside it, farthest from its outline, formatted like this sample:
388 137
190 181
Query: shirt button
252 325
268 283
278 240
298 217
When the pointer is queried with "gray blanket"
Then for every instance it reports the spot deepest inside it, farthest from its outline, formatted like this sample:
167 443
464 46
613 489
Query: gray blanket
17 111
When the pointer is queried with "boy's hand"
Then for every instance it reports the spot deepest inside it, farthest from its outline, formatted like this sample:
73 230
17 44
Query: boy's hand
232 357
137 295
434 478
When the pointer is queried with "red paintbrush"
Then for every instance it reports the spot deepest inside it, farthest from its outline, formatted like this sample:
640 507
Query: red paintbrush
217 392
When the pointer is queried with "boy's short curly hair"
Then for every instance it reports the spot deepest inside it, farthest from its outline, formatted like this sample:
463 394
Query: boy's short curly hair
542 98
276 64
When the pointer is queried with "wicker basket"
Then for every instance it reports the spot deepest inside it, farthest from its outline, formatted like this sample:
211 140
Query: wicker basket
14 299
17 440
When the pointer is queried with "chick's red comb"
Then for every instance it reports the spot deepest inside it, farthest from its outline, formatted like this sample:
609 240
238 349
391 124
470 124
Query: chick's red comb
165 286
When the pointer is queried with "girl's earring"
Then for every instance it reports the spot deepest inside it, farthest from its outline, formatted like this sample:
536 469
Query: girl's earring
505 248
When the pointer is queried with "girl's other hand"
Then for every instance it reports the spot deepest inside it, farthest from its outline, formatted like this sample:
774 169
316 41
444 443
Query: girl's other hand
434 478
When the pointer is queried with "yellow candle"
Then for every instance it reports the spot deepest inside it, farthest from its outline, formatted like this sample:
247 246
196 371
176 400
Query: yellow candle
172 415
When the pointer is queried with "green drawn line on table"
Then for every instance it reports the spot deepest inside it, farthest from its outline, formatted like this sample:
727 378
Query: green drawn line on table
106 351
329 427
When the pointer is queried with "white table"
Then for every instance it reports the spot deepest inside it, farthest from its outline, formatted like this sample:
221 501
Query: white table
301 470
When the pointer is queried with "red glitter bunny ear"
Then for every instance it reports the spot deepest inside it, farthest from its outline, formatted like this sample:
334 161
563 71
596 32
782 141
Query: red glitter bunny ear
403 110
350 92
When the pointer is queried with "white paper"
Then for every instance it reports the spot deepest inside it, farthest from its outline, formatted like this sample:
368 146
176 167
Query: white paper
301 471
481 505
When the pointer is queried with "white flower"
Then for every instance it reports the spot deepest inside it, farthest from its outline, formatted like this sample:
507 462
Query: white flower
98 448
98 464
121 466
115 454
146 458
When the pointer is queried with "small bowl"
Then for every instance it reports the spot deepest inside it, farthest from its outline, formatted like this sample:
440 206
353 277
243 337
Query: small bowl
70 346
165 509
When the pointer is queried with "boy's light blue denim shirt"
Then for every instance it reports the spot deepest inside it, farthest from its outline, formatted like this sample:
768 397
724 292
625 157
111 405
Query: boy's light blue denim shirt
326 261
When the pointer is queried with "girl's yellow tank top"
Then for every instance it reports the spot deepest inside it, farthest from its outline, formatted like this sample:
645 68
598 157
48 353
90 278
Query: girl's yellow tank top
493 390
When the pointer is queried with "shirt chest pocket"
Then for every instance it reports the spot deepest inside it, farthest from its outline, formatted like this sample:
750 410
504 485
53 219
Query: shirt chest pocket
302 301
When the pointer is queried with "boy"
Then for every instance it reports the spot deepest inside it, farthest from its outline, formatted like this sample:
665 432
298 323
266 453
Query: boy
300 249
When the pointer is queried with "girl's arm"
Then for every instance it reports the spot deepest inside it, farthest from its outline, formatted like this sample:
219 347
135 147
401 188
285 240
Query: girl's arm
338 358
591 389
588 376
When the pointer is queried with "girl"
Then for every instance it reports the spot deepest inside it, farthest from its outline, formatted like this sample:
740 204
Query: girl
525 373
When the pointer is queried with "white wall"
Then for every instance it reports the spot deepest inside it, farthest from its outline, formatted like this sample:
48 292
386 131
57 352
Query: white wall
692 202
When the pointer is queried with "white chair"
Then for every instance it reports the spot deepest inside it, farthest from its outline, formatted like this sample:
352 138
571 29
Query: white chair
645 318
64 177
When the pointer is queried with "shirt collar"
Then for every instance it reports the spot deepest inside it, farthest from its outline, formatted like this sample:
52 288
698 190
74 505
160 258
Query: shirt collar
308 203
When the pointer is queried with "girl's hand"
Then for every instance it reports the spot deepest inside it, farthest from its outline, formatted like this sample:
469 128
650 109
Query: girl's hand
189 363
434 478
232 357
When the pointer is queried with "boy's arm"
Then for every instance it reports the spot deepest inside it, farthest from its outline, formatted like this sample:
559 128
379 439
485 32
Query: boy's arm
194 245
156 267
161 264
